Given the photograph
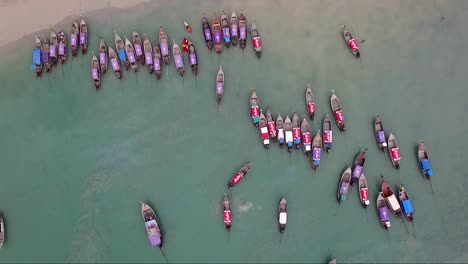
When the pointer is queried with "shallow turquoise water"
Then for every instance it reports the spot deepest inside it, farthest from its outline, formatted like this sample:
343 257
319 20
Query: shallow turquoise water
76 163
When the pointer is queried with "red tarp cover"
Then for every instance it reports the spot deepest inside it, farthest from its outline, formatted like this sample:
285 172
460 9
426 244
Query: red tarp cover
311 107
257 42
296 132
272 128
254 111
237 178
327 136
227 216
306 138
396 154
353 44
339 116
364 194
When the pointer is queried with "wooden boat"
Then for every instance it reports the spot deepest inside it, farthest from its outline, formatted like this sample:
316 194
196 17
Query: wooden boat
344 185
188 27
53 48
383 211
148 50
358 165
296 131
240 175
242 31
226 30
153 229
62 47
364 191
157 60
380 133
217 34
95 72
207 33
227 212
306 137
75 38
103 56
164 45
120 48
255 108
2 232
37 57
178 59
310 102
234 25
115 62
391 199
219 85
351 43
45 50
83 36
395 156
130 51
288 131
192 54
264 131
138 45
280 130
282 214
424 161
327 133
271 124
406 203
257 42
316 151
337 111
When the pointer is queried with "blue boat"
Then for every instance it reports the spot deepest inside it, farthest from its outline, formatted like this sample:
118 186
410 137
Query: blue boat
37 57
406 203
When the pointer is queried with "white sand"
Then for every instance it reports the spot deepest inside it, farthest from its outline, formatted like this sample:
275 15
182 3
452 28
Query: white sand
21 17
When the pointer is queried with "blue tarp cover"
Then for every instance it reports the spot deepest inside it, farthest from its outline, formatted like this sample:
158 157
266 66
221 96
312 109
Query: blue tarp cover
407 206
429 172
37 56
122 55
425 164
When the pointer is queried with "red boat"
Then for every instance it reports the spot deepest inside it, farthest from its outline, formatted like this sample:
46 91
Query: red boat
240 175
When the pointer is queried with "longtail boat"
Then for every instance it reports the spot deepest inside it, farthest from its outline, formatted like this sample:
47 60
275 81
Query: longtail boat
153 229
296 131
226 30
188 27
115 62
406 203
344 185
62 47
271 124
351 43
234 25
164 45
37 57
316 151
394 150
219 85
75 38
306 137
157 60
424 161
242 31
310 102
103 56
193 59
2 232
327 133
358 165
288 131
83 37
227 212
53 48
120 47
45 50
264 131
391 199
130 51
383 211
178 59
217 34
95 72
207 33
138 45
148 50
240 175
255 108
257 42
337 111
282 214
363 191
380 133
280 130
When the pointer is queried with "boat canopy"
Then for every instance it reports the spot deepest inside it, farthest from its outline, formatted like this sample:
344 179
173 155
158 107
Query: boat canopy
219 88
381 136
393 202
37 56
122 55
357 171
426 166
155 240
407 206
316 155
283 218
383 212
328 136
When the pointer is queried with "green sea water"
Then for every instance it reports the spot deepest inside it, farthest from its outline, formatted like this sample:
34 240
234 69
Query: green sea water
75 163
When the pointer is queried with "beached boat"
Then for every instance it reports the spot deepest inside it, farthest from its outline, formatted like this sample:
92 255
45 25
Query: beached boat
383 211
2 232
115 62
138 45
424 161
164 45
282 214
153 229
234 25
226 29
103 56
380 133
242 31
344 185
148 50
178 59
45 50
351 43
193 59
391 199
120 47
240 175
130 51
271 124
310 102
316 151
257 42
157 60
188 27
95 72
327 133
264 131
255 108
337 111
358 165
62 47
363 191
207 33
37 57
219 85
306 137
217 34
394 150
296 131
288 132
83 36
53 48
75 38
227 212
406 203
280 130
